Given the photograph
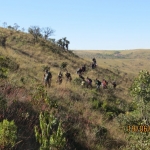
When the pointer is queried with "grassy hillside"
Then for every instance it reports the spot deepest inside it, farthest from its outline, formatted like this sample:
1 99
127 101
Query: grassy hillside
129 61
89 116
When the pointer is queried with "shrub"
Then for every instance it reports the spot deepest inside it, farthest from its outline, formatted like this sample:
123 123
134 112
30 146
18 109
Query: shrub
96 104
50 135
8 131
63 65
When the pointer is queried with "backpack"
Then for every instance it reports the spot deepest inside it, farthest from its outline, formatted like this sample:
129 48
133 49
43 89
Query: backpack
49 75
67 75
98 82
90 80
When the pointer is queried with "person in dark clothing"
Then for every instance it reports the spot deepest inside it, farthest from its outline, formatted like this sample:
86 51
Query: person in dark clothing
114 84
98 83
79 71
94 60
83 68
59 79
68 76
47 78
93 63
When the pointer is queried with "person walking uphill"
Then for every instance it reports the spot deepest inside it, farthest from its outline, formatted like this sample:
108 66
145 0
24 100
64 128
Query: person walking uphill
47 78
59 78
68 76
93 63
98 83
89 82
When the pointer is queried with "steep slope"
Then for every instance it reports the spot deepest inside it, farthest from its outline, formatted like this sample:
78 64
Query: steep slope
85 111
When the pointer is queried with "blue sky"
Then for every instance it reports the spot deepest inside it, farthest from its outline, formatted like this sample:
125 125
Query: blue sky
87 24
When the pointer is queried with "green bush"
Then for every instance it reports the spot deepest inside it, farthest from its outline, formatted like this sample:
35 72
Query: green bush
8 131
63 65
96 104
50 134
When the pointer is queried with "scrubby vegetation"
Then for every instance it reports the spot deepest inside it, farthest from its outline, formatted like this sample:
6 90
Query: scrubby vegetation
66 116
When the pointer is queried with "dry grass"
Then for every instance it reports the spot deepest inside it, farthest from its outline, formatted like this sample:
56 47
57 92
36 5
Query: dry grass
74 99
135 60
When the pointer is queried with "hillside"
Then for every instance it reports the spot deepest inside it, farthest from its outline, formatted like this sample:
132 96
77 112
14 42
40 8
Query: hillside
128 61
89 116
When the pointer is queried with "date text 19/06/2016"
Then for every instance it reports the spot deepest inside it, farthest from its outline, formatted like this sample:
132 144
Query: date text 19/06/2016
141 128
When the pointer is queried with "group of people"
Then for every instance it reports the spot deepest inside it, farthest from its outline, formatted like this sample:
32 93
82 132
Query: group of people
48 77
88 83
85 82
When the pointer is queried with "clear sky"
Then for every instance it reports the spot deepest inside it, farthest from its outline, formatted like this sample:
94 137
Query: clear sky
87 24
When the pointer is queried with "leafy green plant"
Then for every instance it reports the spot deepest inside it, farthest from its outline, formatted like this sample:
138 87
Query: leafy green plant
50 134
139 114
63 65
96 104
8 131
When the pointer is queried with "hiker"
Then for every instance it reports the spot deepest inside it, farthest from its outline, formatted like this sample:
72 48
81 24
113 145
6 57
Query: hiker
68 76
94 60
104 84
59 79
79 71
98 83
94 63
114 84
47 78
83 68
89 82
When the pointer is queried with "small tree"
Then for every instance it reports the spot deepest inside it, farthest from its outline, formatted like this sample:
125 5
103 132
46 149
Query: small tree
60 43
35 31
16 26
10 27
4 24
8 131
47 32
136 122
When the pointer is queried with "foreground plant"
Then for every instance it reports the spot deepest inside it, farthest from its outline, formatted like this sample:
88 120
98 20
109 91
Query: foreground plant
8 131
50 135
136 123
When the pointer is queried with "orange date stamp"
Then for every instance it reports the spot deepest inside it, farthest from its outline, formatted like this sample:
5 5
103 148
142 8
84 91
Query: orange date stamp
136 128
